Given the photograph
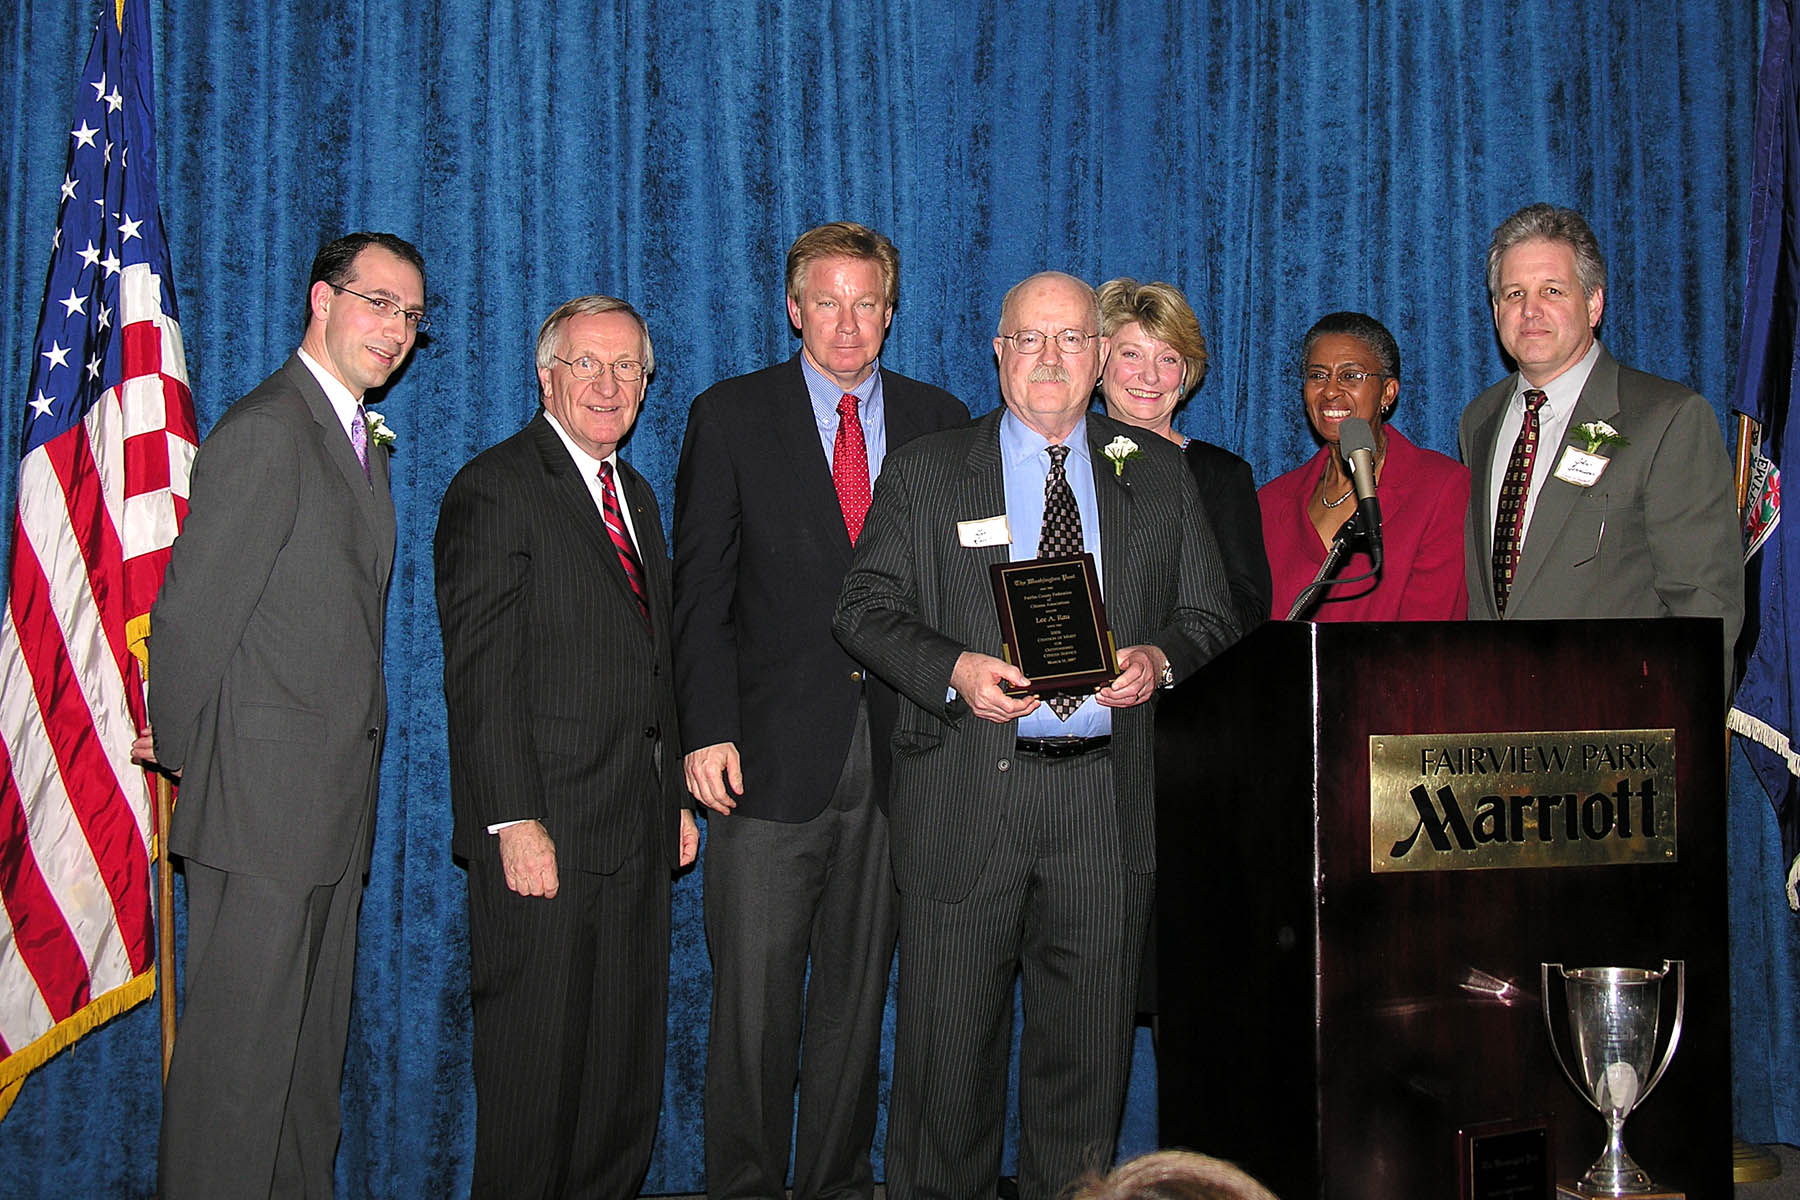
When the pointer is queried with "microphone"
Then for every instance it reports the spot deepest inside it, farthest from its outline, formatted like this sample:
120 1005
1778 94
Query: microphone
1356 442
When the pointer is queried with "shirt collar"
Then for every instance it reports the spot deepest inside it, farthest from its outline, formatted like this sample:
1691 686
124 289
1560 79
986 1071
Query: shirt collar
824 393
1018 441
588 464
1561 393
342 402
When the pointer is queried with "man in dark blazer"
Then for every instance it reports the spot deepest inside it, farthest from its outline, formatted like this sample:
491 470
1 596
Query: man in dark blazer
1628 508
553 598
1024 838
268 701
785 737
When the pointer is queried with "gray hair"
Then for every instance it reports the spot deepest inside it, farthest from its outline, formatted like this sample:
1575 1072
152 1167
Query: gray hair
1546 222
587 306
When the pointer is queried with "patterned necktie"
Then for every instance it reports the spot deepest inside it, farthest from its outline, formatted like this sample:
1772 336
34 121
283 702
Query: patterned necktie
850 467
1513 490
1060 537
621 540
359 440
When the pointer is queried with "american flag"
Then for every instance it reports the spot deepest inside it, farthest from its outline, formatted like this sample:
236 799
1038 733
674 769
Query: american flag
103 466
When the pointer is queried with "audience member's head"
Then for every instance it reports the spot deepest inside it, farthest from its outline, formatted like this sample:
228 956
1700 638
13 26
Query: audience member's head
1173 1175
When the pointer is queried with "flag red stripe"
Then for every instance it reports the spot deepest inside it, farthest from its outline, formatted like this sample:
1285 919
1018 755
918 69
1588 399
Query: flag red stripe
72 459
100 806
41 935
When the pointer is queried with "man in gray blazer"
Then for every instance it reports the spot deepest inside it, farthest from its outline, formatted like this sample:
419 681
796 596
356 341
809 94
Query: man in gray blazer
553 598
1599 491
267 699
1023 840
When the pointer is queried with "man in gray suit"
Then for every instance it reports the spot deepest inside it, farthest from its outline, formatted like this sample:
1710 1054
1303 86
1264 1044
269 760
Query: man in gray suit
1023 840
267 698
1599 491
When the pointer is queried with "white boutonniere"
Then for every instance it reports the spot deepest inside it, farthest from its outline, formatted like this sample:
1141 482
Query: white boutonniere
1598 434
380 432
1120 451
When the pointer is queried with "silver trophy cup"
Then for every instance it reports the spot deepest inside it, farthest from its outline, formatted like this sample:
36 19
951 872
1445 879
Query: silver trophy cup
1613 1018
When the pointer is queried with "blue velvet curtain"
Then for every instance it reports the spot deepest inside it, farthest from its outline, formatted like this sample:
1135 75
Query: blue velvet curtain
1277 159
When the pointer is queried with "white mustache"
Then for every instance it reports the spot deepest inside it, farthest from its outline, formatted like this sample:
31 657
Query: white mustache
1049 373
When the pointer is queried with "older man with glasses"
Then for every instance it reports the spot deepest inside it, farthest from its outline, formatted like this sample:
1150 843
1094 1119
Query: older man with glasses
1023 828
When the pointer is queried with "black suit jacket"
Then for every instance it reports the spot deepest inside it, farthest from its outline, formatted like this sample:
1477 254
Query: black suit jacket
560 701
916 598
265 654
1228 494
760 552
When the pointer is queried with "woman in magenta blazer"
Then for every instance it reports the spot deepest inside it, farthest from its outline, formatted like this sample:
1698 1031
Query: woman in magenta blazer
1350 367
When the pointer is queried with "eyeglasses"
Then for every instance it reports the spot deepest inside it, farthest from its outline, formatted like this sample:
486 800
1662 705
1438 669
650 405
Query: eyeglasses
1348 377
626 370
387 310
1033 341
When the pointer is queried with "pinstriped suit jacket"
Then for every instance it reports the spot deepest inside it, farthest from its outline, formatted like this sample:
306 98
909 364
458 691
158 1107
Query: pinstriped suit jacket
561 704
265 657
915 599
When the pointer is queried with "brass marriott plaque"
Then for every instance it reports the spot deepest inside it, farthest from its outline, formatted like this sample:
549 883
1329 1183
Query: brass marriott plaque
1470 801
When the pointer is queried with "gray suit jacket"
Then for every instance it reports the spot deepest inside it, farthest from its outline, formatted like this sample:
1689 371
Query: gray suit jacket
915 599
266 640
1656 535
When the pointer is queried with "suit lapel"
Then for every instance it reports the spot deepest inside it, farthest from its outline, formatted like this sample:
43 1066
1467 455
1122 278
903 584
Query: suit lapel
1599 400
978 491
369 491
1112 494
797 431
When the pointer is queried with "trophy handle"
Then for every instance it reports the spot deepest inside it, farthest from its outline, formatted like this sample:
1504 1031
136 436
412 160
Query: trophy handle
1550 1027
1680 968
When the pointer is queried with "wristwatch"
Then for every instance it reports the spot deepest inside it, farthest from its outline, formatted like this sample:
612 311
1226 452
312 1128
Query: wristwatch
1166 677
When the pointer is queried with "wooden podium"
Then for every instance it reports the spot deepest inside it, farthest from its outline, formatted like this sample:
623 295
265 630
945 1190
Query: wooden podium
1332 1027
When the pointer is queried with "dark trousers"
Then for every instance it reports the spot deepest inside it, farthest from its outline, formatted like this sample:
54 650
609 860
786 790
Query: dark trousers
1054 905
251 1103
570 1000
781 896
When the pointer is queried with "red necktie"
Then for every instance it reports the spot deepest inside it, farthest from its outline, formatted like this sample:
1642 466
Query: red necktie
1513 489
850 467
615 526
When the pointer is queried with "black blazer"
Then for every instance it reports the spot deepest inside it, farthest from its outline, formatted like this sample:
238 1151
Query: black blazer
560 701
760 553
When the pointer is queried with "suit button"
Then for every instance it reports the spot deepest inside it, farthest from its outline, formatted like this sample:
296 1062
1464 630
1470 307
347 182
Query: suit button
1005 764
373 734
856 677
650 731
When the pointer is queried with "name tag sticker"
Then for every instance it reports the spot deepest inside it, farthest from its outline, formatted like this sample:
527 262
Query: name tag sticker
989 531
1581 468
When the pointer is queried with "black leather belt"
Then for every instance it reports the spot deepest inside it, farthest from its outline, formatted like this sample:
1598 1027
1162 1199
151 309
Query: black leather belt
1062 747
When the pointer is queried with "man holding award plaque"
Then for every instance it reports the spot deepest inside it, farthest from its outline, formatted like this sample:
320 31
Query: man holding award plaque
1022 809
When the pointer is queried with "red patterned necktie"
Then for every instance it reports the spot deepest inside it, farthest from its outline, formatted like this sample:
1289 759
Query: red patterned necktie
621 540
850 467
1513 490
1059 538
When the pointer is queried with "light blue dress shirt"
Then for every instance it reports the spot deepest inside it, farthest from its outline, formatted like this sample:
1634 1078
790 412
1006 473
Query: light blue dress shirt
1025 464
825 394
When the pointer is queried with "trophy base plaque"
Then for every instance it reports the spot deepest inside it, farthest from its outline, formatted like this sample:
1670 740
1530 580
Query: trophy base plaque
1565 1190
